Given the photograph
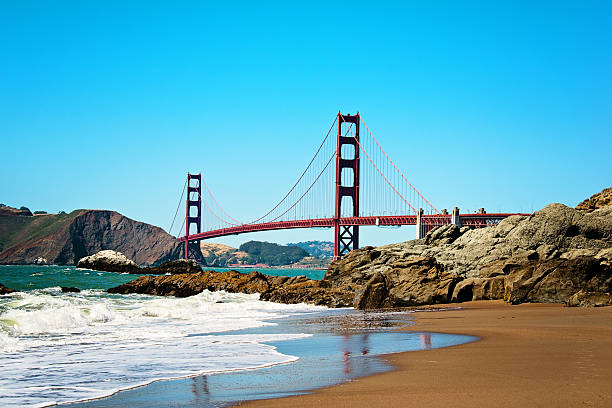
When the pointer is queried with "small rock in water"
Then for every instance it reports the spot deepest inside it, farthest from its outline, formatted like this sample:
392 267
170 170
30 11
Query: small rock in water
4 290
68 289
40 261
107 260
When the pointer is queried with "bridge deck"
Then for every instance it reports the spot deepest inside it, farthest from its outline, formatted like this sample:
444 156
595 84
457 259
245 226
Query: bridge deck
472 220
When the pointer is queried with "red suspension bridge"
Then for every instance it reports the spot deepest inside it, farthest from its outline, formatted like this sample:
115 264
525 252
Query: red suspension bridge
365 187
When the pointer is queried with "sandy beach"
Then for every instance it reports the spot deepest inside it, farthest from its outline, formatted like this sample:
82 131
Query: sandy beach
530 355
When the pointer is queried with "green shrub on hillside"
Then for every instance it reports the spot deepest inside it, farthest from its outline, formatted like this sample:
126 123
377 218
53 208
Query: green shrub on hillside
272 254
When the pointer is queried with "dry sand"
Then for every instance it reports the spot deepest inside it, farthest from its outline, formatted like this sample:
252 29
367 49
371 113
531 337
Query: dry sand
531 355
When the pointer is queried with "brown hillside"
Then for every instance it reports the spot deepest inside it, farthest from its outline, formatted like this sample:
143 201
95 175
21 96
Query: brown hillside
64 239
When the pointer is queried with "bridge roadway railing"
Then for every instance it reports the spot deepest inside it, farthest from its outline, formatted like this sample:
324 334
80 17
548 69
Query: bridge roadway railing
471 220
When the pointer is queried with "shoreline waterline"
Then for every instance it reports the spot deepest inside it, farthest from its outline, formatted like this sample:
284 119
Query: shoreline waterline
344 345
528 355
163 379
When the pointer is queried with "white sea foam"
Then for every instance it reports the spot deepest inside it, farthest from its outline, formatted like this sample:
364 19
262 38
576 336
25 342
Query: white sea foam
57 347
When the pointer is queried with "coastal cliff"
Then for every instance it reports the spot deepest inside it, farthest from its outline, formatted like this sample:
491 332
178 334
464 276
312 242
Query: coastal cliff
63 239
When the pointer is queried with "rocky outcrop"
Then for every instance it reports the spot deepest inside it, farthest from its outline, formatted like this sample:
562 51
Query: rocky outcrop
546 257
113 261
4 290
557 254
63 239
275 289
110 261
556 280
410 282
70 289
590 299
175 267
599 200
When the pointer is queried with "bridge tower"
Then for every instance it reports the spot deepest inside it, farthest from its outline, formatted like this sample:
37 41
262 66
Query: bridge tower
346 237
194 201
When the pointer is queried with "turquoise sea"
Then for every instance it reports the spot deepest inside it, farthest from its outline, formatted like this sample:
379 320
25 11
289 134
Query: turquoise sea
60 347
28 277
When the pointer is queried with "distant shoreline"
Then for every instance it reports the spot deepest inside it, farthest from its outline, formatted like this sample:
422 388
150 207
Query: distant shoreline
267 267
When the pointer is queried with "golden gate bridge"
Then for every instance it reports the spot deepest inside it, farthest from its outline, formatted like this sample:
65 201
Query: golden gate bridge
364 187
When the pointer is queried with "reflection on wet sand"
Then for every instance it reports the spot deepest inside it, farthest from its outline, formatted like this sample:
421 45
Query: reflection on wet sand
425 341
364 348
199 389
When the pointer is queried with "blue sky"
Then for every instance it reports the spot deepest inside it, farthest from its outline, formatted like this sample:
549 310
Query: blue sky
107 105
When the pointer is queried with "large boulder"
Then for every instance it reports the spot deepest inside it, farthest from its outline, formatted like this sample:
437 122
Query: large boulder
109 261
409 282
173 267
556 280
489 288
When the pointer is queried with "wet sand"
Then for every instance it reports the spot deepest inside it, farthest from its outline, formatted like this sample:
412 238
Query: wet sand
532 355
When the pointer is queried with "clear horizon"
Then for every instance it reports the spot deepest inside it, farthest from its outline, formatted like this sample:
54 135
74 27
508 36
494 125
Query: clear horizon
108 106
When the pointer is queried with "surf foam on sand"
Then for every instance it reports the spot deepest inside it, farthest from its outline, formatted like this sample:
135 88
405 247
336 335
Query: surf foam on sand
57 347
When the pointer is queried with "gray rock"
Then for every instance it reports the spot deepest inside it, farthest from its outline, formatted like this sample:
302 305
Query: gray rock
108 260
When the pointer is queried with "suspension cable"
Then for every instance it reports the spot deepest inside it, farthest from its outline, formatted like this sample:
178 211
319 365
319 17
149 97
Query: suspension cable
177 208
313 183
215 214
184 219
398 170
376 167
297 182
218 205
280 202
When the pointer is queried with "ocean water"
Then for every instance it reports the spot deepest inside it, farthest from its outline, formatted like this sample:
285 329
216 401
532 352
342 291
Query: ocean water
64 347
28 277
316 274
57 347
